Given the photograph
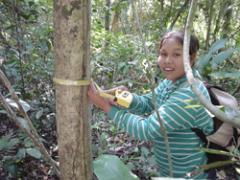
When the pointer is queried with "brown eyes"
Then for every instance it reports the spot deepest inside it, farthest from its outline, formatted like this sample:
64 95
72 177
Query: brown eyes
174 55
163 54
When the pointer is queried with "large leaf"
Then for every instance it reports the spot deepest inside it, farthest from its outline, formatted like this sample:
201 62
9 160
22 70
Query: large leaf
221 57
24 104
110 167
203 61
219 44
206 58
235 74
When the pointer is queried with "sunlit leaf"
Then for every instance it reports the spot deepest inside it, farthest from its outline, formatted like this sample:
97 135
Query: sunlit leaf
110 167
219 44
3 112
24 104
193 106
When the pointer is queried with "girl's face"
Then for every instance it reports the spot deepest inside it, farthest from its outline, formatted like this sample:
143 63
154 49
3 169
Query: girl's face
170 59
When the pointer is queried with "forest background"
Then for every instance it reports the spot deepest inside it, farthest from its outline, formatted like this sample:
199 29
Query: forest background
125 36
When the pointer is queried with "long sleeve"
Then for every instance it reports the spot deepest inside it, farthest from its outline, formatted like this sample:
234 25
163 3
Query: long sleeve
142 104
179 116
175 113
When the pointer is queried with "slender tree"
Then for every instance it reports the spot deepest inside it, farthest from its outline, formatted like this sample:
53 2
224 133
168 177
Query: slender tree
209 22
72 74
227 18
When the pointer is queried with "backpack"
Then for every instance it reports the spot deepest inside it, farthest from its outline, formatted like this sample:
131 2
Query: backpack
224 135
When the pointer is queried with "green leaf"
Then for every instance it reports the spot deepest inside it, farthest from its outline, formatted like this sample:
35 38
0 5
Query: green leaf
110 167
21 153
39 113
193 106
23 123
234 74
206 58
219 44
6 142
3 112
24 104
203 61
34 152
221 57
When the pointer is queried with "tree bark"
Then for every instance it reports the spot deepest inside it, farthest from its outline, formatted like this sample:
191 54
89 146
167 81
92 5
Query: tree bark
179 12
107 15
227 18
209 23
71 53
116 17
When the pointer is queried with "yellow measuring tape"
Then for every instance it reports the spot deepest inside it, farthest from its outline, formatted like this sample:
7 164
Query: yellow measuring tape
68 82
122 98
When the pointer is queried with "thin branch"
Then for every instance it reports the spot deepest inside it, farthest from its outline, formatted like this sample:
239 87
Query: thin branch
163 130
209 23
29 130
181 10
138 23
164 133
235 121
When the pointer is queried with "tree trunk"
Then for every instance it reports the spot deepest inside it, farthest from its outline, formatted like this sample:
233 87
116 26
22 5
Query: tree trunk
226 28
71 51
179 12
115 21
107 15
209 22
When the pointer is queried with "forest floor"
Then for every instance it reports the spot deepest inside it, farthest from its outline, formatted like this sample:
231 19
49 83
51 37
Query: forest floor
13 166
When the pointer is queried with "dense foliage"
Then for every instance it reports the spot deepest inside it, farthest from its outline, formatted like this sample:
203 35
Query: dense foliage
124 46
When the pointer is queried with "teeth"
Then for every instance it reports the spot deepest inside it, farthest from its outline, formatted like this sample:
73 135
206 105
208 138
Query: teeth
168 69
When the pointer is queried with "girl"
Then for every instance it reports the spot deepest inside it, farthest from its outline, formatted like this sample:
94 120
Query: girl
173 96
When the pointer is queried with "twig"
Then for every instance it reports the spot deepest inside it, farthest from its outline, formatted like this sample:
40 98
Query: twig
214 165
181 10
162 128
235 121
139 28
29 130
164 133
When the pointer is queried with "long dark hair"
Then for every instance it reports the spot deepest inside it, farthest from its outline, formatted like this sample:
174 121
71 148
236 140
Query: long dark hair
179 36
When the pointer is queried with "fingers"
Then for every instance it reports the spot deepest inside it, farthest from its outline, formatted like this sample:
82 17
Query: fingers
123 88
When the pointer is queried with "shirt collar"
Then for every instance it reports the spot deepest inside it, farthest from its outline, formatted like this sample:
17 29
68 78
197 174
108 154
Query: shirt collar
183 79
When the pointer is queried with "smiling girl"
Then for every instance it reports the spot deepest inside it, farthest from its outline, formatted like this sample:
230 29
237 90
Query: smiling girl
173 96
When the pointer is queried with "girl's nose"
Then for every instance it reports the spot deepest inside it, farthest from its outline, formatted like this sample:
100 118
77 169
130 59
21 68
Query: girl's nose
168 59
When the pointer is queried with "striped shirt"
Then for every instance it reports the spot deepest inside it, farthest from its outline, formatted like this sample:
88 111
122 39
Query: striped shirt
174 104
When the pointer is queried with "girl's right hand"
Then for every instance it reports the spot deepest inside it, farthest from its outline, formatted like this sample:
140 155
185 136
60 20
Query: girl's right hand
97 100
113 90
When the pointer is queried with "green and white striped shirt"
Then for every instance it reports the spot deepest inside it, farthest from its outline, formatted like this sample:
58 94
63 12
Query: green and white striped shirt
178 119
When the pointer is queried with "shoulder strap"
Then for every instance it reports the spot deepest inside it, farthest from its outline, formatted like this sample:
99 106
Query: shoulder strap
213 97
200 134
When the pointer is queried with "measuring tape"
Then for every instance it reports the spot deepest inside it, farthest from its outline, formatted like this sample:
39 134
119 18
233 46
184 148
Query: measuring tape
122 98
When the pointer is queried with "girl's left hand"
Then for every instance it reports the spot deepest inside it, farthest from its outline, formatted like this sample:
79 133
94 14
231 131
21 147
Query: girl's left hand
97 100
